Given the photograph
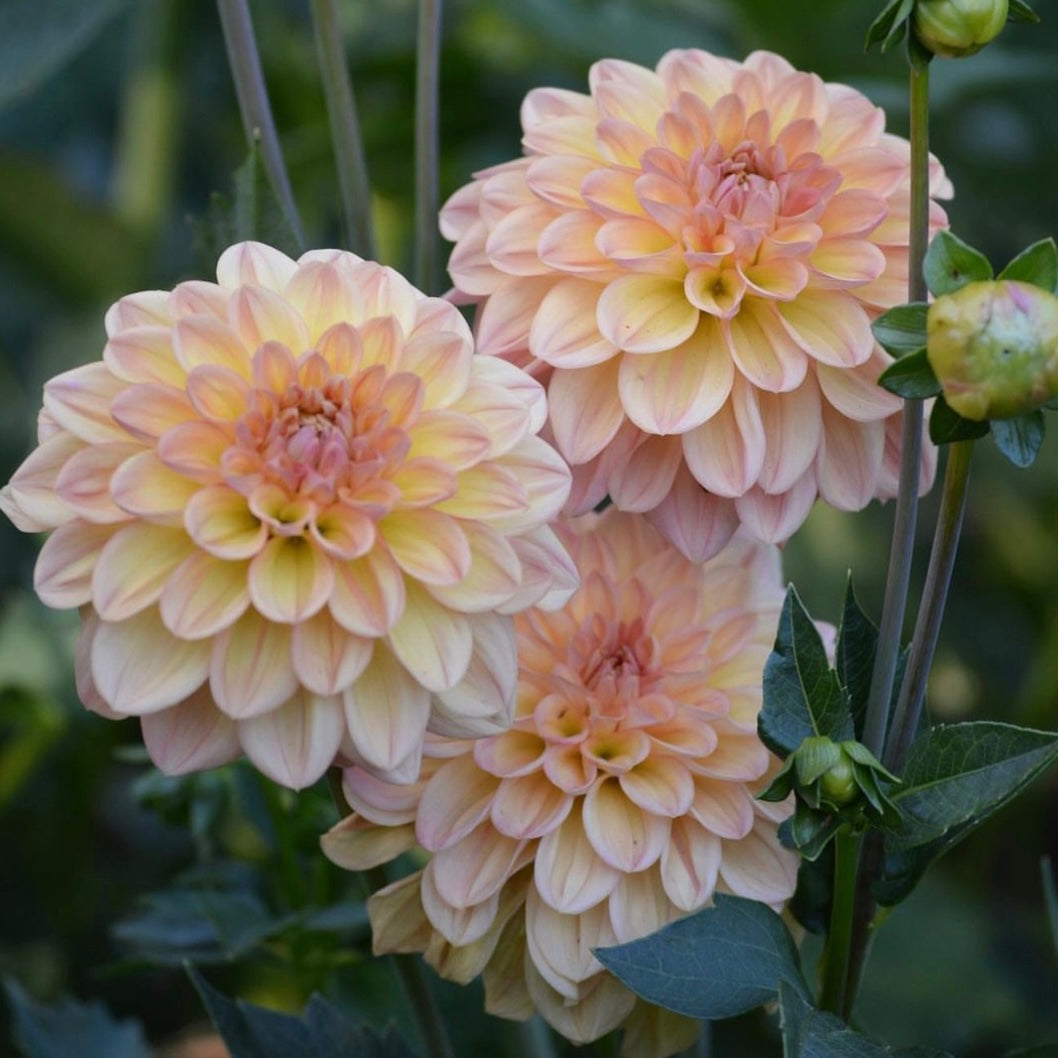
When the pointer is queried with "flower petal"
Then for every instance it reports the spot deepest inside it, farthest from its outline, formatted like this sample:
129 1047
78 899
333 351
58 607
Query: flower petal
569 876
645 314
456 799
133 567
193 735
726 453
689 864
585 409
621 833
432 642
564 330
290 579
326 658
368 594
427 544
62 576
250 669
204 595
220 521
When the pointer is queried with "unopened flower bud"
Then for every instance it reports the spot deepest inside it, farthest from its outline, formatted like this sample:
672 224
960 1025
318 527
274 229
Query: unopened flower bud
838 784
958 27
993 346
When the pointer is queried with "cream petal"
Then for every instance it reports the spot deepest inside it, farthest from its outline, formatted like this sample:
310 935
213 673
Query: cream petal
82 662
457 923
456 799
427 544
598 1010
384 803
569 875
512 243
659 785
673 391
133 567
192 735
398 921
487 491
258 315
737 757
493 578
62 576
832 327
217 393
546 478
388 294
549 576
585 409
470 267
196 297
29 499
529 807
645 314
645 479
775 518
250 669
689 864
456 439
145 487
564 331
726 453
619 831
83 483
368 594
139 667
80 401
386 711
504 413
195 449
324 294
357 844
765 354
142 309
847 262
144 354
254 262
512 379
570 244
432 642
757 867
326 658
204 595
793 425
855 393
220 521
290 579
148 410
849 461
698 523
295 743
639 906
503 322
652 1032
205 339
723 808
562 954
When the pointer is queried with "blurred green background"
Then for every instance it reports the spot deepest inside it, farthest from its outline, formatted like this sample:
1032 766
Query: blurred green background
117 124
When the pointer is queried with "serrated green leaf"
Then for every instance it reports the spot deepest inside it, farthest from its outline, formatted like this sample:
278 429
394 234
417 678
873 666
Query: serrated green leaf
811 1033
951 263
809 830
325 1032
66 1028
890 25
717 963
947 426
956 777
911 377
1020 439
902 329
1036 264
854 655
802 695
1020 11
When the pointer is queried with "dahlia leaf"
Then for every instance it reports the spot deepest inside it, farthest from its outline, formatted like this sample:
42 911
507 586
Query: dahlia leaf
854 654
56 1030
717 963
902 329
38 38
254 1032
947 426
803 697
1020 439
809 830
911 378
951 263
890 25
956 776
1036 264
1021 12
811 1033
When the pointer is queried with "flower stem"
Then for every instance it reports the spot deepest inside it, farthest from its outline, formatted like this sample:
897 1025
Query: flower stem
935 594
353 184
408 968
427 79
256 112
881 691
836 995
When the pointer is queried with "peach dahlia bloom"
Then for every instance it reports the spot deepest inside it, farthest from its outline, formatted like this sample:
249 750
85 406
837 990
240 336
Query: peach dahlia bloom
692 257
621 798
295 511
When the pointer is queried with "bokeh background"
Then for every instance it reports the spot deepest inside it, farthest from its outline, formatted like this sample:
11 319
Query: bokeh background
118 127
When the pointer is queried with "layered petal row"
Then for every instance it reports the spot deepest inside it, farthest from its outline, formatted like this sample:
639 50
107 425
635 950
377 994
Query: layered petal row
621 797
690 259
297 514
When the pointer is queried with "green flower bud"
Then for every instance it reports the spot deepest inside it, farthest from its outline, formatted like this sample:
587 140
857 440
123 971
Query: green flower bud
993 346
838 784
958 27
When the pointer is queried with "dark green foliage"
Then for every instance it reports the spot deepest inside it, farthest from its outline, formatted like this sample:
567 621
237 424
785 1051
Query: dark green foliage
911 377
1036 264
951 263
947 426
1020 439
902 330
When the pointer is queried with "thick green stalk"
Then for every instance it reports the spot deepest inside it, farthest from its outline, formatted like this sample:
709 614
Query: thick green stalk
881 691
408 968
935 594
354 187
836 994
256 112
427 92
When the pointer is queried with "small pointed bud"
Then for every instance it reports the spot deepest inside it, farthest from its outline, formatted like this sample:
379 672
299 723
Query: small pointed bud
838 784
958 27
993 346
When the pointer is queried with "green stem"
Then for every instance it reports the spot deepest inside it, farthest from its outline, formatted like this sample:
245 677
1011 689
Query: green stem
408 968
880 698
427 79
935 594
836 996
256 112
354 187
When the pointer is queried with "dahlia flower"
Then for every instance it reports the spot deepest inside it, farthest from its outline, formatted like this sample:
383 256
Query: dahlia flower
295 511
691 258
621 798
